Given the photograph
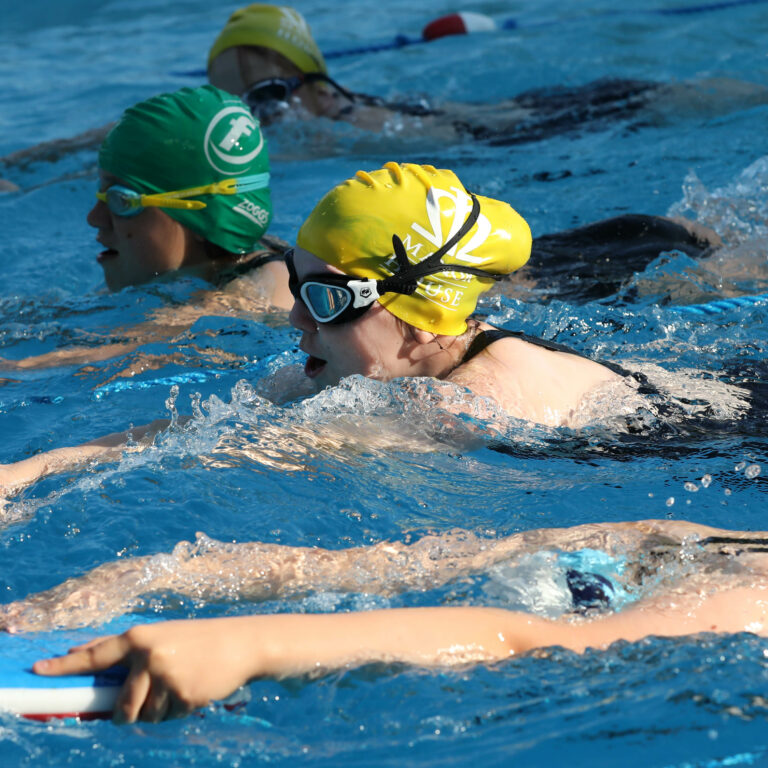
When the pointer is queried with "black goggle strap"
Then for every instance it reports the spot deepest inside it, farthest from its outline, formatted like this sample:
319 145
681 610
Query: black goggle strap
321 77
407 276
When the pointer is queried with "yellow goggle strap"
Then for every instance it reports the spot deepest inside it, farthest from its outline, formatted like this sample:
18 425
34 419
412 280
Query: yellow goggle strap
175 199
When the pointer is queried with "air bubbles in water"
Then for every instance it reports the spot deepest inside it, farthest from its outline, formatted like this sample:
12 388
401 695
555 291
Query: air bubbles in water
706 481
691 487
670 501
752 471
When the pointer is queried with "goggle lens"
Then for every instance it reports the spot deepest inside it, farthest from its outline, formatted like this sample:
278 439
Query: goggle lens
325 301
123 201
273 90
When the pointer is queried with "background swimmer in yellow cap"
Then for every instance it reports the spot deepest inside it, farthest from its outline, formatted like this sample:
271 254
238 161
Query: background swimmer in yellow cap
386 274
267 55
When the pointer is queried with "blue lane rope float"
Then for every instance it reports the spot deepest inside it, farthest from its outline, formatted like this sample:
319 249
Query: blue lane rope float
468 22
720 306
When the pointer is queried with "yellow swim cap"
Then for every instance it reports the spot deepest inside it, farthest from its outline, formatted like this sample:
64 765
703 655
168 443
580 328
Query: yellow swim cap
352 227
275 27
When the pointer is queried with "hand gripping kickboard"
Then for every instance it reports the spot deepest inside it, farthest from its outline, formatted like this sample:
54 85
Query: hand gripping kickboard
24 693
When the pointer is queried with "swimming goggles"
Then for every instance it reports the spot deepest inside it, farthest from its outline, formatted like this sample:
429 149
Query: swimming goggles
335 299
281 88
125 202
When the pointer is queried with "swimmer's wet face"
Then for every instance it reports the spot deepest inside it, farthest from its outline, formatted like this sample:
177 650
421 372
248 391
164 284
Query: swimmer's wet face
264 94
374 345
141 247
272 85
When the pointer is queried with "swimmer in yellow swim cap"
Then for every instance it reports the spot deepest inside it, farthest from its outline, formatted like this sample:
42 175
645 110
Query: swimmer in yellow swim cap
386 274
266 54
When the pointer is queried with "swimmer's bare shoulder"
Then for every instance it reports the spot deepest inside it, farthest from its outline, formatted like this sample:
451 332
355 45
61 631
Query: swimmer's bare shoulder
531 382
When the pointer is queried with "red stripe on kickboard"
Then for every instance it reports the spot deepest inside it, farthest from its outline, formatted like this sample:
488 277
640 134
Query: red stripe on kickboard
44 718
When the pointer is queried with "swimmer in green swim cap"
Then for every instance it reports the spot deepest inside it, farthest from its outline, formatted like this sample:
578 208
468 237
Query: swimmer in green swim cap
183 189
183 184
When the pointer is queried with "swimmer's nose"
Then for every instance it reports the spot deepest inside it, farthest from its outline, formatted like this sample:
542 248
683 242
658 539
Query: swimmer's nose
300 318
98 216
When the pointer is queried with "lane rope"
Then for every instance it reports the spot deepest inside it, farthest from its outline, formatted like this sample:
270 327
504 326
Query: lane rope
469 22
720 306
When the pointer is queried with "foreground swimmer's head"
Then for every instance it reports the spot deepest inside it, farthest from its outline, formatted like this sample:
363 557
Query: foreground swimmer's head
183 183
266 54
424 248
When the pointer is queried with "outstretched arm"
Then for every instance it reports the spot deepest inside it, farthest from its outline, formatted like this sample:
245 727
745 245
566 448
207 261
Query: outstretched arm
176 667
212 570
56 148
15 477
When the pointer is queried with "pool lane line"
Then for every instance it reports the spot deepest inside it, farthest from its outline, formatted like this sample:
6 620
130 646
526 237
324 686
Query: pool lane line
720 306
469 22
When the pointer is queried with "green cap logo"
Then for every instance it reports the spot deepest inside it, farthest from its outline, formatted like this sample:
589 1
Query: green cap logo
227 146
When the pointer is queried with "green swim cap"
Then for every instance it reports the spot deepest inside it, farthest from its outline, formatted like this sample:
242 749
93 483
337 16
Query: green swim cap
190 138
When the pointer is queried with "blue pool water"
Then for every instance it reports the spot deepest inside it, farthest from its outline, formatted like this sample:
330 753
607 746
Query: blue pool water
250 470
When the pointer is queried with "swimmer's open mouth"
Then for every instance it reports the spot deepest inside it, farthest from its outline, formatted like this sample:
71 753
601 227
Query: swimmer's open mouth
107 254
313 366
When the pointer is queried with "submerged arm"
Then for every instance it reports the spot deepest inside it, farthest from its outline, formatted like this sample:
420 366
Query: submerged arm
56 148
15 477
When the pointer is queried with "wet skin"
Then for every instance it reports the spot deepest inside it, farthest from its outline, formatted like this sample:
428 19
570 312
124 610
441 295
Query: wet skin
374 345
139 248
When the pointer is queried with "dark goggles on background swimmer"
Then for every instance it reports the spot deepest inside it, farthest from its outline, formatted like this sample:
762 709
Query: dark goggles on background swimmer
123 201
337 299
281 88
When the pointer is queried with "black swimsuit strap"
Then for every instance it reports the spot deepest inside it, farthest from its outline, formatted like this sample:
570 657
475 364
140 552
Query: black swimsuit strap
266 258
486 338
747 544
238 270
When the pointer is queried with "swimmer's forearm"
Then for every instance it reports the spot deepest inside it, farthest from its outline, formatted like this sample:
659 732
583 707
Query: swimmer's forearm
67 356
52 150
181 665
178 666
14 477
292 645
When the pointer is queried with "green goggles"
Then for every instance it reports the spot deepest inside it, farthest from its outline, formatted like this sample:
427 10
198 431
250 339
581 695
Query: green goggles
123 201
